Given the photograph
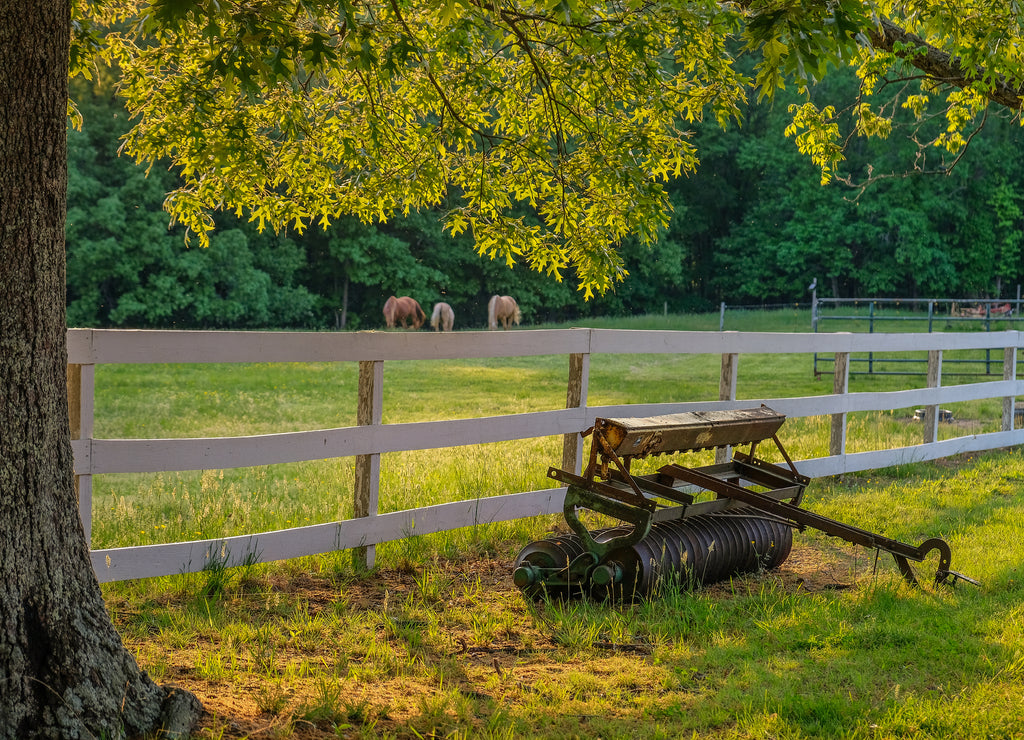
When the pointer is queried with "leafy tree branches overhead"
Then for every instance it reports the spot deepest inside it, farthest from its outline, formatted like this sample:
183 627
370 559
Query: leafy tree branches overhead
297 112
302 111
913 56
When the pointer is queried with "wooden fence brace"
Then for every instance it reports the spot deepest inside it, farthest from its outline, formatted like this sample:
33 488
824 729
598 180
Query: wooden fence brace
369 410
81 390
840 386
727 392
1009 373
576 395
931 412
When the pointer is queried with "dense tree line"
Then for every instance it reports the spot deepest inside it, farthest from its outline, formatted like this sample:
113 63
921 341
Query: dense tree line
753 225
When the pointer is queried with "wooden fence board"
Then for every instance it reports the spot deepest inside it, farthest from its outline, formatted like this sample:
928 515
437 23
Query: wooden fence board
89 346
214 453
100 456
150 561
855 462
627 341
93 346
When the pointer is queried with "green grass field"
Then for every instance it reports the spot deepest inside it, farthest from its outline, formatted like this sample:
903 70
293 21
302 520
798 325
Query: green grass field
435 642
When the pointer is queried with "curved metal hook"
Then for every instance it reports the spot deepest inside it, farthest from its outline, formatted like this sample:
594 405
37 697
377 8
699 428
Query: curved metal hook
935 543
945 556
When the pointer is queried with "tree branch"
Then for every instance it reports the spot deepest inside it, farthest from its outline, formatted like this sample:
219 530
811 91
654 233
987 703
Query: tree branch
938 64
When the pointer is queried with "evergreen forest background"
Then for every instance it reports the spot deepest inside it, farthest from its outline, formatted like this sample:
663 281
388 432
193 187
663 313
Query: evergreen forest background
753 226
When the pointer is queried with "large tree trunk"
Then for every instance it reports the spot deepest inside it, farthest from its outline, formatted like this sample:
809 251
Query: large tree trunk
64 672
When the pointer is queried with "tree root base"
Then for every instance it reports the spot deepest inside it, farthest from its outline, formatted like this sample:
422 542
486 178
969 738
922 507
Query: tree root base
179 714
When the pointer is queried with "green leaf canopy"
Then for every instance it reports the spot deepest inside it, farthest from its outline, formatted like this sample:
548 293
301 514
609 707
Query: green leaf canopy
303 111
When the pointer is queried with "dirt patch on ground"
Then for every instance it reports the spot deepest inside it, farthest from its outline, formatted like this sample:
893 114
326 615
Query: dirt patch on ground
233 707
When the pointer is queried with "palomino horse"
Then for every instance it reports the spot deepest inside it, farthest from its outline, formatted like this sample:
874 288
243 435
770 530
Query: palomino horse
502 308
443 317
402 310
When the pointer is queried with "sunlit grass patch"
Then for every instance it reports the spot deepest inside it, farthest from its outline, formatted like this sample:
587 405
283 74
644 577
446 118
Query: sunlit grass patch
133 509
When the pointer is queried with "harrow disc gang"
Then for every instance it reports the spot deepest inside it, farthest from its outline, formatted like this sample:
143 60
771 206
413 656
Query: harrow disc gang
697 550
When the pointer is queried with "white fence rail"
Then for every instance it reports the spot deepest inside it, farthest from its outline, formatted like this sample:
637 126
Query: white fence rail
90 347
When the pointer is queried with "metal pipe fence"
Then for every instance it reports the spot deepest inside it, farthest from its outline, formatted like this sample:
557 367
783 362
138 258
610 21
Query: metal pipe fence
940 314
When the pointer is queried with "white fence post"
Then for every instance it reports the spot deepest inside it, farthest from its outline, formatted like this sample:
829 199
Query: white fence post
81 394
727 391
840 385
1009 373
931 411
576 397
370 410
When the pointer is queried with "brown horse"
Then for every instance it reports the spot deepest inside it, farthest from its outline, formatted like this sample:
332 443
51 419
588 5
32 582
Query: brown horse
502 308
402 310
443 317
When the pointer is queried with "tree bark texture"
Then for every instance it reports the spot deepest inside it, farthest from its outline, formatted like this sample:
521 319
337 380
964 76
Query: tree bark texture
64 672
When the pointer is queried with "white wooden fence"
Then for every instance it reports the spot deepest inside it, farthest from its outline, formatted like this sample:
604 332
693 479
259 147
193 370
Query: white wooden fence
366 441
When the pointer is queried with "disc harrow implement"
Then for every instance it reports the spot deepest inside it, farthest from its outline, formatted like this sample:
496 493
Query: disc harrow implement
688 525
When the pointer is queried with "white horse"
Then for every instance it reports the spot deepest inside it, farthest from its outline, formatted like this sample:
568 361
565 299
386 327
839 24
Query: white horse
502 308
443 317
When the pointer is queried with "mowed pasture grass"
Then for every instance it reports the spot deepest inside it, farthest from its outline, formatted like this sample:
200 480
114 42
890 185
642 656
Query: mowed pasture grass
435 642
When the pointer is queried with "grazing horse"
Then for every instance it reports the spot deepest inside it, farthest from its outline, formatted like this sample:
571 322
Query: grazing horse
502 308
402 310
443 317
